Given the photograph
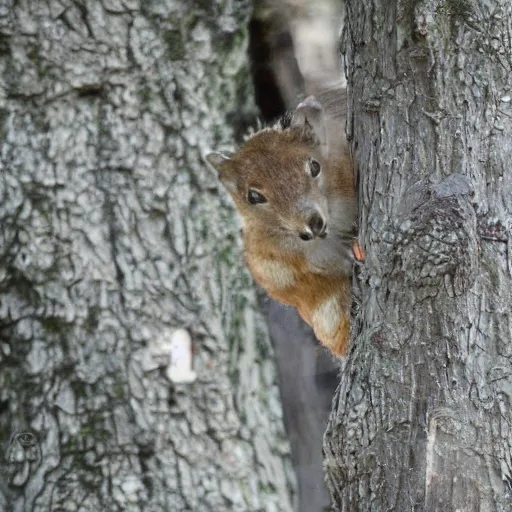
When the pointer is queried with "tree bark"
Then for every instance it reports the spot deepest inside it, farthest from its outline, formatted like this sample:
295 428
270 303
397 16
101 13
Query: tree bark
112 237
422 417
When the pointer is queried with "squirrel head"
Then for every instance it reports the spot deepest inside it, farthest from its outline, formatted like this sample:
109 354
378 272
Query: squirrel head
277 178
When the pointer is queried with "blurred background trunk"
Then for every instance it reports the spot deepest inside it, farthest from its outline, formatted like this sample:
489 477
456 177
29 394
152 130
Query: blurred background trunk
422 418
113 237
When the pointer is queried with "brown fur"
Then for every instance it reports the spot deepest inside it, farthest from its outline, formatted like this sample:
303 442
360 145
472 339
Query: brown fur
310 291
313 276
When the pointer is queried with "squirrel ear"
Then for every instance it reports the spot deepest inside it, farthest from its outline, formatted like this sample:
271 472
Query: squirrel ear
220 162
309 116
217 160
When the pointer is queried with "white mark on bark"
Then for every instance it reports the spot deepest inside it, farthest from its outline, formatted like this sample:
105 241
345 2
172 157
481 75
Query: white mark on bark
180 370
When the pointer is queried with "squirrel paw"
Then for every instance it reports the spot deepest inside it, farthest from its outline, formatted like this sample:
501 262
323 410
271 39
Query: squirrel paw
359 253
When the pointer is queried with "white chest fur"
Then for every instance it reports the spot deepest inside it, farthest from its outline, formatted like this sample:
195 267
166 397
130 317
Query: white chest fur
272 274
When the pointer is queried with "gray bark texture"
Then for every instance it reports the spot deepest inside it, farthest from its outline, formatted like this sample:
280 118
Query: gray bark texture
112 236
422 418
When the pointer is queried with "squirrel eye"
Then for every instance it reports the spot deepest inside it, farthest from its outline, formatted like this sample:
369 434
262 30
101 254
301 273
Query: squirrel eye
255 197
314 167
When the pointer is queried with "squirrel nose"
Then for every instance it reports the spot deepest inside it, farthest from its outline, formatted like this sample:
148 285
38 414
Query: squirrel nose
316 225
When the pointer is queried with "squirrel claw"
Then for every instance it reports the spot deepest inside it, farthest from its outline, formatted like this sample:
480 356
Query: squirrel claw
359 253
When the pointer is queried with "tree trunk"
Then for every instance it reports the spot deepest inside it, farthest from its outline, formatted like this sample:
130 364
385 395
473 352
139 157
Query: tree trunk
112 241
422 417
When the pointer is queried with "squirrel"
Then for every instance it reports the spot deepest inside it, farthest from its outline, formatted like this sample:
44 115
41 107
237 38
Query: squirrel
293 184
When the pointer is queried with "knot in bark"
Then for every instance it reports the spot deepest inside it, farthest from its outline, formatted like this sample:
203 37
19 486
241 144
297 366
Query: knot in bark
22 457
436 238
